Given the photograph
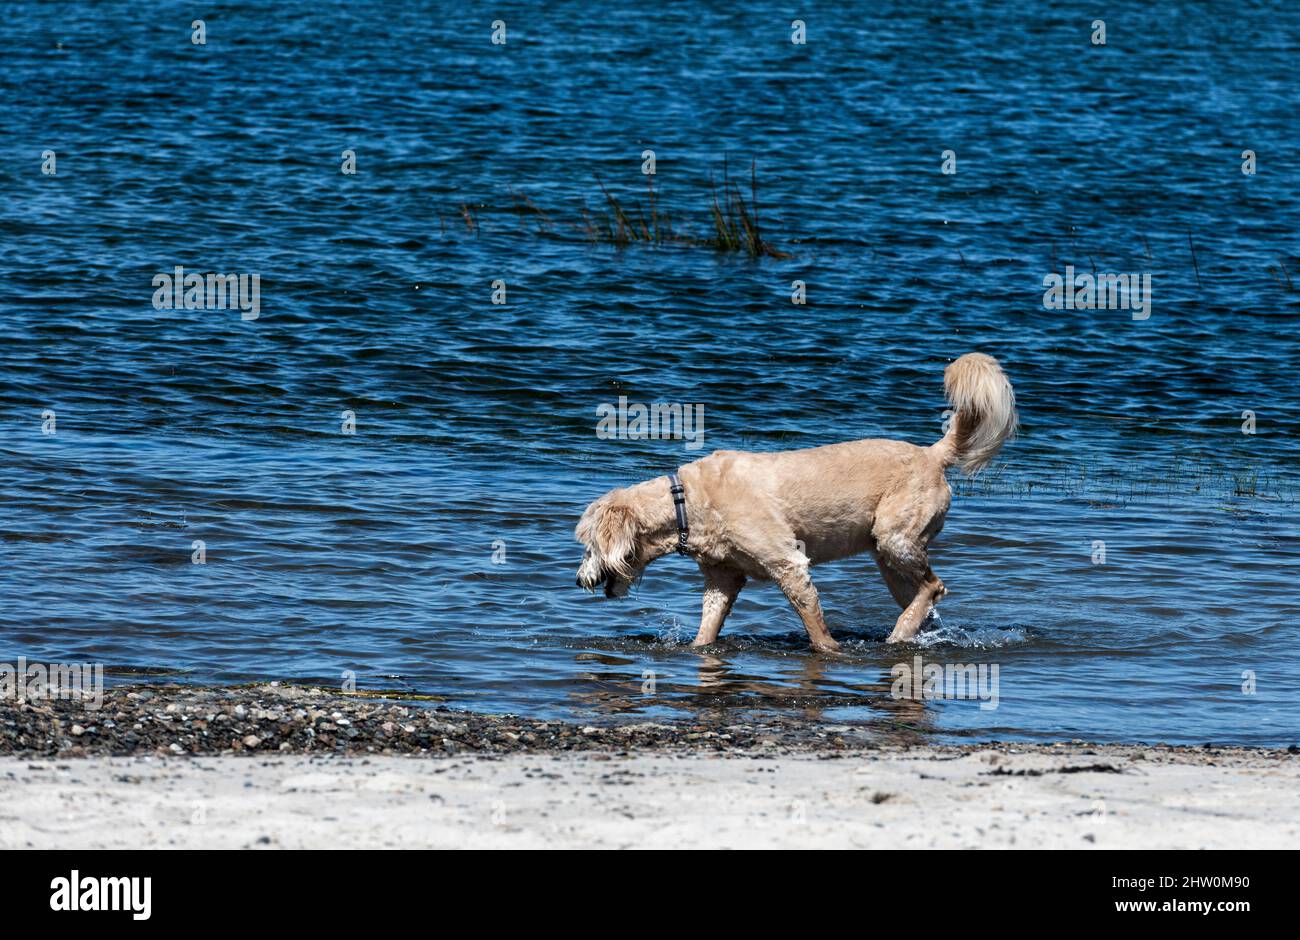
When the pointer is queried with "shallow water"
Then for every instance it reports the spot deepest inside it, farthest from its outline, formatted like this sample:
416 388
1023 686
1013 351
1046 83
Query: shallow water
475 435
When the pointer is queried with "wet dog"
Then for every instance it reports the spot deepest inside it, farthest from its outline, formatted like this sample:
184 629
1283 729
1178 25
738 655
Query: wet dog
772 516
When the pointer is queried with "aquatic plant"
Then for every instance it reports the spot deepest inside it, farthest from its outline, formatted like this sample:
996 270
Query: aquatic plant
734 219
735 223
525 208
620 226
468 214
1106 487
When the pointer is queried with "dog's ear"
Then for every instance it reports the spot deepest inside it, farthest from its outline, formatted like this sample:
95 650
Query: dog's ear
615 536
609 529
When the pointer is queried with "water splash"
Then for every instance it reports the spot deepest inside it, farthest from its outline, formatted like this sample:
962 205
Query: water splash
942 634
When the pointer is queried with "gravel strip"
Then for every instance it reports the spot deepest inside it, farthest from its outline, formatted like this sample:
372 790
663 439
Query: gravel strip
288 719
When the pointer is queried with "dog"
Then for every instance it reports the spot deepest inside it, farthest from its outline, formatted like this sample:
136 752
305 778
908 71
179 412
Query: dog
772 516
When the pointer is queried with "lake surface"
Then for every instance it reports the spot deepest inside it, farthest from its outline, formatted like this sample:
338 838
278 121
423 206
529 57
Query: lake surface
432 550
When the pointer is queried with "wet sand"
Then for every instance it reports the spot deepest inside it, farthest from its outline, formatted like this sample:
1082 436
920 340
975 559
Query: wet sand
272 766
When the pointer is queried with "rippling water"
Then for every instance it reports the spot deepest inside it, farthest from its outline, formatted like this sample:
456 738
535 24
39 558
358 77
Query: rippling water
378 552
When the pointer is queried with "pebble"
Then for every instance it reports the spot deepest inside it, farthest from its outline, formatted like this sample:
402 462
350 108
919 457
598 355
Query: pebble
299 720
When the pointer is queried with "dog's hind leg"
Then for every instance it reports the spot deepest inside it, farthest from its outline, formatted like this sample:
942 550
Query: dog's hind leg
916 589
902 587
721 585
796 582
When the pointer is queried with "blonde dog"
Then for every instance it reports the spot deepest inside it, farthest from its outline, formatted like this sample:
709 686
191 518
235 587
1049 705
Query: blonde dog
772 516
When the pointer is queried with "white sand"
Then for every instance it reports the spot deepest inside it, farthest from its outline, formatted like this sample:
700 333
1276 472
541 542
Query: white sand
919 798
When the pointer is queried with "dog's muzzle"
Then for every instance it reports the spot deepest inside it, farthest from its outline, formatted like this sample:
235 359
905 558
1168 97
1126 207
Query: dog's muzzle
591 572
610 581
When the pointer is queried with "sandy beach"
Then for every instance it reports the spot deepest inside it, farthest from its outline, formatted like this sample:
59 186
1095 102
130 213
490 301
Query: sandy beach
919 798
287 767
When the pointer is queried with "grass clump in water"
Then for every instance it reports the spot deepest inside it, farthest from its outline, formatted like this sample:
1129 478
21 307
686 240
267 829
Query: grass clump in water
734 220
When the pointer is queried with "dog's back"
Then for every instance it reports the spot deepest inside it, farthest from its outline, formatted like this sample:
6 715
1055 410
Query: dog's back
829 496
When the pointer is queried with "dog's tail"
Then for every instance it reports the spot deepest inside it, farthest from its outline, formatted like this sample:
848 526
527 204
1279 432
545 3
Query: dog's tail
984 411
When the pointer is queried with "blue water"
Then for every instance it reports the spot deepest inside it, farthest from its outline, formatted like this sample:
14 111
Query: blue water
476 422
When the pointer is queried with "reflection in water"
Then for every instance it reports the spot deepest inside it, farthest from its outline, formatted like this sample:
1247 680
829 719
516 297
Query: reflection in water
722 691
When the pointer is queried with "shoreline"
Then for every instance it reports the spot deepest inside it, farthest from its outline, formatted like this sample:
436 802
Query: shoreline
275 766
288 720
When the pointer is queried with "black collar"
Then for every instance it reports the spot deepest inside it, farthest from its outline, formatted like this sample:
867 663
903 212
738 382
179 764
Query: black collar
679 504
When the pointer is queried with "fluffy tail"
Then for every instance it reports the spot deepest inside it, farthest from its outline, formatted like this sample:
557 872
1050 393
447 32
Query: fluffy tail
984 409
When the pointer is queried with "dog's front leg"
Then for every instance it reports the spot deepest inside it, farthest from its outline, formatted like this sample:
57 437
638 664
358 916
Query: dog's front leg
721 585
927 589
796 582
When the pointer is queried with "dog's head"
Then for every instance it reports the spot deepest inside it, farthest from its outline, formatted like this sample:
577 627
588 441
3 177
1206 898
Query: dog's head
616 553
